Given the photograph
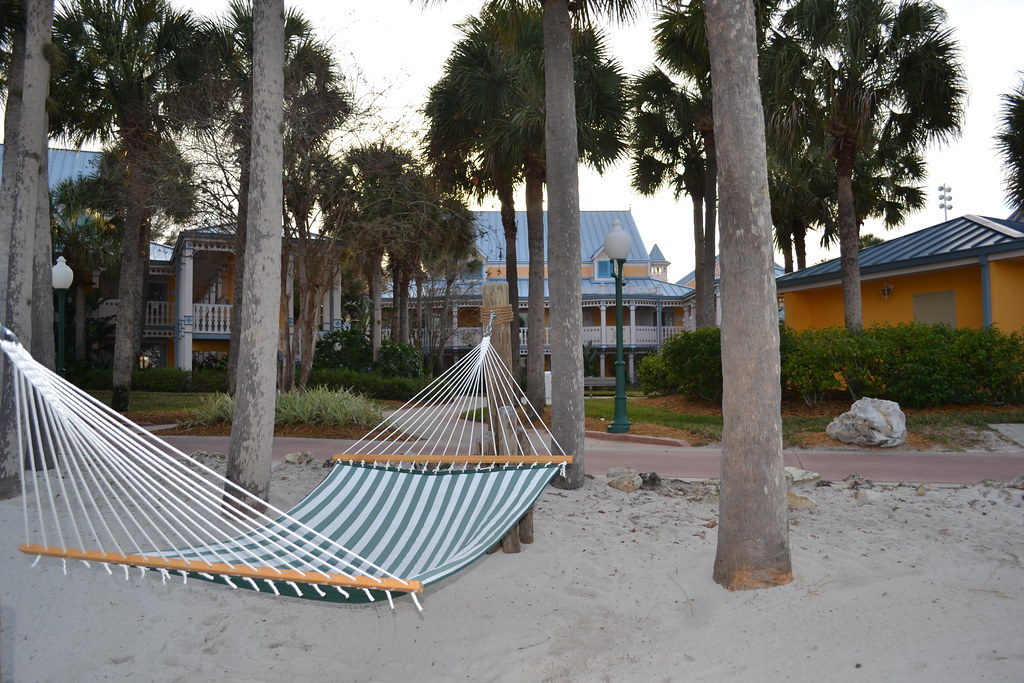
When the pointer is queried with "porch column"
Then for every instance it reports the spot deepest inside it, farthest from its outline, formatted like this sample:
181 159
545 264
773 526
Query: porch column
630 369
185 323
604 325
631 338
600 361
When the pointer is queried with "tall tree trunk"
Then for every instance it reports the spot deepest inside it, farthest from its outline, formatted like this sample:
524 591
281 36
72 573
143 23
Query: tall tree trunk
701 292
508 224
376 279
129 291
395 295
562 157
20 203
787 256
753 536
12 163
42 267
287 338
800 244
81 350
403 308
535 304
252 422
849 238
708 316
241 224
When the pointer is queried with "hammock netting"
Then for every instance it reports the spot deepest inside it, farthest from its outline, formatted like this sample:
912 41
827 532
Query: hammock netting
427 492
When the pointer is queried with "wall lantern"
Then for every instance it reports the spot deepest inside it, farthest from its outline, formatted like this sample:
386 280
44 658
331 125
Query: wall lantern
886 291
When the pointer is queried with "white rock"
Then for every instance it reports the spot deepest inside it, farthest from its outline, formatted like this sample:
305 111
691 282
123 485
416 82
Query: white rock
619 471
300 458
628 482
871 422
867 496
795 475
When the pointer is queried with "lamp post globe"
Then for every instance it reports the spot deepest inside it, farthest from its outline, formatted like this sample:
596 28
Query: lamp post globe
617 245
62 276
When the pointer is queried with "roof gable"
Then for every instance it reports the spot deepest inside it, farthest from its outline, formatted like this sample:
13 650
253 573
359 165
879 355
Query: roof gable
593 226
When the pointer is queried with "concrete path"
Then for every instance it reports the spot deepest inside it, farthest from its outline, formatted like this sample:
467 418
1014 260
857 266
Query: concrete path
700 463
1013 432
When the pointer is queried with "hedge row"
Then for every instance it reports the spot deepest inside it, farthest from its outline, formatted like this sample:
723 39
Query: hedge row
212 381
914 364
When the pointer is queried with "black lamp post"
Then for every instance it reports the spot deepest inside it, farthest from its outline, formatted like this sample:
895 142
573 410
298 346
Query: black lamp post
617 244
62 276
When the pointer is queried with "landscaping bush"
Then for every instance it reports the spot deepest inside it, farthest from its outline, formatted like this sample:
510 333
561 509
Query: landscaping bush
318 406
351 349
154 379
374 386
913 364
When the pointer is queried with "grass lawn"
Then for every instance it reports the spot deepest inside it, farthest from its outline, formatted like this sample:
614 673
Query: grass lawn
949 429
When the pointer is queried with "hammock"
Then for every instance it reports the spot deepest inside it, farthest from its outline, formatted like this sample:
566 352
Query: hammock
420 497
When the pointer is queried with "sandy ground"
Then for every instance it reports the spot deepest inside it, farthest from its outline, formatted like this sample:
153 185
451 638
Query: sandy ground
617 586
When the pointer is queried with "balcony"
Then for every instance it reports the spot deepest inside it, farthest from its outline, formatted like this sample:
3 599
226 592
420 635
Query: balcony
211 319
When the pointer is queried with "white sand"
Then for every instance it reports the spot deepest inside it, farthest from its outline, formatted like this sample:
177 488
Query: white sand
616 587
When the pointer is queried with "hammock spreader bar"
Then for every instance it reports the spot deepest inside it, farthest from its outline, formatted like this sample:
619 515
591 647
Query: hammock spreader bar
224 569
460 459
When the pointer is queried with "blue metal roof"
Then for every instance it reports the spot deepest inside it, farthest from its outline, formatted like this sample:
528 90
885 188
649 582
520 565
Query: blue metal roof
592 288
657 256
67 163
956 238
779 270
593 226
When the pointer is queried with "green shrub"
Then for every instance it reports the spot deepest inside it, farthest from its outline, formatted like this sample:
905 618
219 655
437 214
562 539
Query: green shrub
155 379
351 349
209 381
694 363
317 406
374 386
913 364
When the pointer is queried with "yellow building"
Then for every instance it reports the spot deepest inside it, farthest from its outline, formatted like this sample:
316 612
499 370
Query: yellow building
965 272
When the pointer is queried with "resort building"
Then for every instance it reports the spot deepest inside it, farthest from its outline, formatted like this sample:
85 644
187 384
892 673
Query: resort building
189 295
965 272
690 298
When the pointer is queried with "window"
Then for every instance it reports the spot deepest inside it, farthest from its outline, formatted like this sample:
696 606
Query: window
604 268
935 307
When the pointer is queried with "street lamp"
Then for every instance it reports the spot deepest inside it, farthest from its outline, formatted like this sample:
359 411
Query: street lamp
617 244
62 276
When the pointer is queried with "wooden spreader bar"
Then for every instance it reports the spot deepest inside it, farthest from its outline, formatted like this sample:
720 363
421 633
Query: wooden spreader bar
224 569
461 459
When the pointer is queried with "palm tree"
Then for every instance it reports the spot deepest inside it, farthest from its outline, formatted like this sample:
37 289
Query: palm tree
86 234
861 72
753 537
668 150
1010 143
19 202
802 193
126 65
487 123
252 422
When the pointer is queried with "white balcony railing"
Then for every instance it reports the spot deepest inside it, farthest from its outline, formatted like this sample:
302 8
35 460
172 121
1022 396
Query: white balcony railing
645 336
159 313
211 318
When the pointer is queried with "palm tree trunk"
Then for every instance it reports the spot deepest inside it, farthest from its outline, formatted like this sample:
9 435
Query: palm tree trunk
403 308
20 203
239 274
376 286
562 156
849 238
753 537
708 316
800 244
80 344
128 288
701 292
252 422
12 121
42 267
535 304
395 323
508 224
787 256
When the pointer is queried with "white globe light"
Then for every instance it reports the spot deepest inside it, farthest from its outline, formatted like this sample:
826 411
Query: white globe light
62 274
617 242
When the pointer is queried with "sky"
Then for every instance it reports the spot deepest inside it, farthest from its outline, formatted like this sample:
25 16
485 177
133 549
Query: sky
395 50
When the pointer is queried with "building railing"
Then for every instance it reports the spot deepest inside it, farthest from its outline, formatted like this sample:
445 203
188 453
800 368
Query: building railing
211 318
159 313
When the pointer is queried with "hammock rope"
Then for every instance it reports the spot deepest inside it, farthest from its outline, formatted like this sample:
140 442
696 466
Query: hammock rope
422 495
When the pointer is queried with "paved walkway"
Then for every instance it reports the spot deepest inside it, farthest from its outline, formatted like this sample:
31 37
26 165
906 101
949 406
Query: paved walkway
700 463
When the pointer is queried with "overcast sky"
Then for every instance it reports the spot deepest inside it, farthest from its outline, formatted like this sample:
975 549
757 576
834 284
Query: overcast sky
399 48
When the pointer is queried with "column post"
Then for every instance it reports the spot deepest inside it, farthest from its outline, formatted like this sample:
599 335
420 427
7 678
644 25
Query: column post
604 324
185 322
632 325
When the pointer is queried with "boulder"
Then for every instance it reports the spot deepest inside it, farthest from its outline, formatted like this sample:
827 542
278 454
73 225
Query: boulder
795 500
628 480
650 480
619 471
1017 482
871 422
300 458
795 475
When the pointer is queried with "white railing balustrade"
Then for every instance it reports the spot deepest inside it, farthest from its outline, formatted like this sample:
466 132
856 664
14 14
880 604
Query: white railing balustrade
159 313
645 336
211 318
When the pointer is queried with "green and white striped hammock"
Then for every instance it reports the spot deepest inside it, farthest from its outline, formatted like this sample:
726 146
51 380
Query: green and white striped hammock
420 497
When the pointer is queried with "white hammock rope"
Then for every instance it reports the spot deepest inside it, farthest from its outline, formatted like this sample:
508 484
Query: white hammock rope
106 491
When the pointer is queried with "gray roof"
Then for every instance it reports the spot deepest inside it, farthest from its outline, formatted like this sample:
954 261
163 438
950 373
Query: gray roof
160 252
1017 215
779 270
954 239
593 226
657 256
67 163
592 288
